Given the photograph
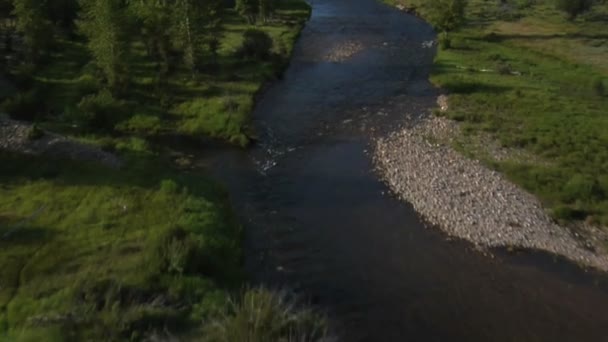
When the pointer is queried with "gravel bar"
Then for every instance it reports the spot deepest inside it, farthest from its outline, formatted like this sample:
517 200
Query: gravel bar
470 201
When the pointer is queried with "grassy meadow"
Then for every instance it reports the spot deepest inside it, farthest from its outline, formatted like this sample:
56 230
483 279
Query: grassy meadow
89 253
534 83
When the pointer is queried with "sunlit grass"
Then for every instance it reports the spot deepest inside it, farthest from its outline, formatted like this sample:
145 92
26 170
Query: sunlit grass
81 248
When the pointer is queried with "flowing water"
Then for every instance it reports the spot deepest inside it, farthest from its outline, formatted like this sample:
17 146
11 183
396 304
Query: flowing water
320 222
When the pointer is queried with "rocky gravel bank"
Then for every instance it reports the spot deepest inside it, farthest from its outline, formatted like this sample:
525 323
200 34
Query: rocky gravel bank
469 201
20 137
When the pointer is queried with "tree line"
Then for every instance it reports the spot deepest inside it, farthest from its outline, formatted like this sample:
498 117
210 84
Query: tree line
171 30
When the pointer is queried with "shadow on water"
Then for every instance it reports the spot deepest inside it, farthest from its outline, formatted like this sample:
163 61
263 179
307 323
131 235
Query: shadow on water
320 222
556 265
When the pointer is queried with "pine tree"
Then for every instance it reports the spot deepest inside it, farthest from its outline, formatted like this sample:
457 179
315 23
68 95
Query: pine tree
248 9
155 20
266 9
104 23
34 26
445 15
194 20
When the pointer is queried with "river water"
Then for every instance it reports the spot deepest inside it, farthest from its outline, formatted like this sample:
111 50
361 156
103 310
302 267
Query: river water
318 220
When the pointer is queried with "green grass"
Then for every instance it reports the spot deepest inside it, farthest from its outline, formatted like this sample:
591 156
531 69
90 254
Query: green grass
526 79
89 253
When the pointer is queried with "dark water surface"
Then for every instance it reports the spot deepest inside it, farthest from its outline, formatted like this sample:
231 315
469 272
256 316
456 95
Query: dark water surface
318 220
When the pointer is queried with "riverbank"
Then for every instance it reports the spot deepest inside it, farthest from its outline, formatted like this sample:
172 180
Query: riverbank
526 110
469 201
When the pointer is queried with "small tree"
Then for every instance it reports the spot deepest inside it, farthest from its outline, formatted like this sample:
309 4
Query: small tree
573 8
266 9
248 9
34 26
445 15
104 24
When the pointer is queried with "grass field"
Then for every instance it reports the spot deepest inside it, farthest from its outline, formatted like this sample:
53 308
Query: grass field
528 78
95 254
88 252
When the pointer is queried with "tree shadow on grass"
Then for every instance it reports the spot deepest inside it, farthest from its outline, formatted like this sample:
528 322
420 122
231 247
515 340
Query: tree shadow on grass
471 87
11 235
140 171
499 37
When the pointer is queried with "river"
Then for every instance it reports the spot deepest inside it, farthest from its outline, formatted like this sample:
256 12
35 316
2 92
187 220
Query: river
319 221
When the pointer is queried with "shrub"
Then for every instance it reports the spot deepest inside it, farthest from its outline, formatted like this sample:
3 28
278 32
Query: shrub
260 315
581 187
23 106
141 124
99 111
566 213
445 15
445 42
597 86
573 8
168 186
171 252
256 44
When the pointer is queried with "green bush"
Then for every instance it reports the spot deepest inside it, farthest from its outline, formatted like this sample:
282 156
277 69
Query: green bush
566 213
141 125
256 44
445 15
169 186
573 8
99 111
260 315
23 106
445 42
583 188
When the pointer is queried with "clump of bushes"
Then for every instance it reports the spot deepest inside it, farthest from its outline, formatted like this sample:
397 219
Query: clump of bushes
260 315
445 42
256 44
23 106
100 111
581 187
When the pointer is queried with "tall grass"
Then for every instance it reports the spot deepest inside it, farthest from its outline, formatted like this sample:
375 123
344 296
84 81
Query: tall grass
260 315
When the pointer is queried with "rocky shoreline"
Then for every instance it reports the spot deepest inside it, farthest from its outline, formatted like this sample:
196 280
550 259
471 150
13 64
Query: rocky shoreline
470 201
21 137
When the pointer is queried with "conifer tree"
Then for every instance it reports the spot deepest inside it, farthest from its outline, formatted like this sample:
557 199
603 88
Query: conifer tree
34 27
104 23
